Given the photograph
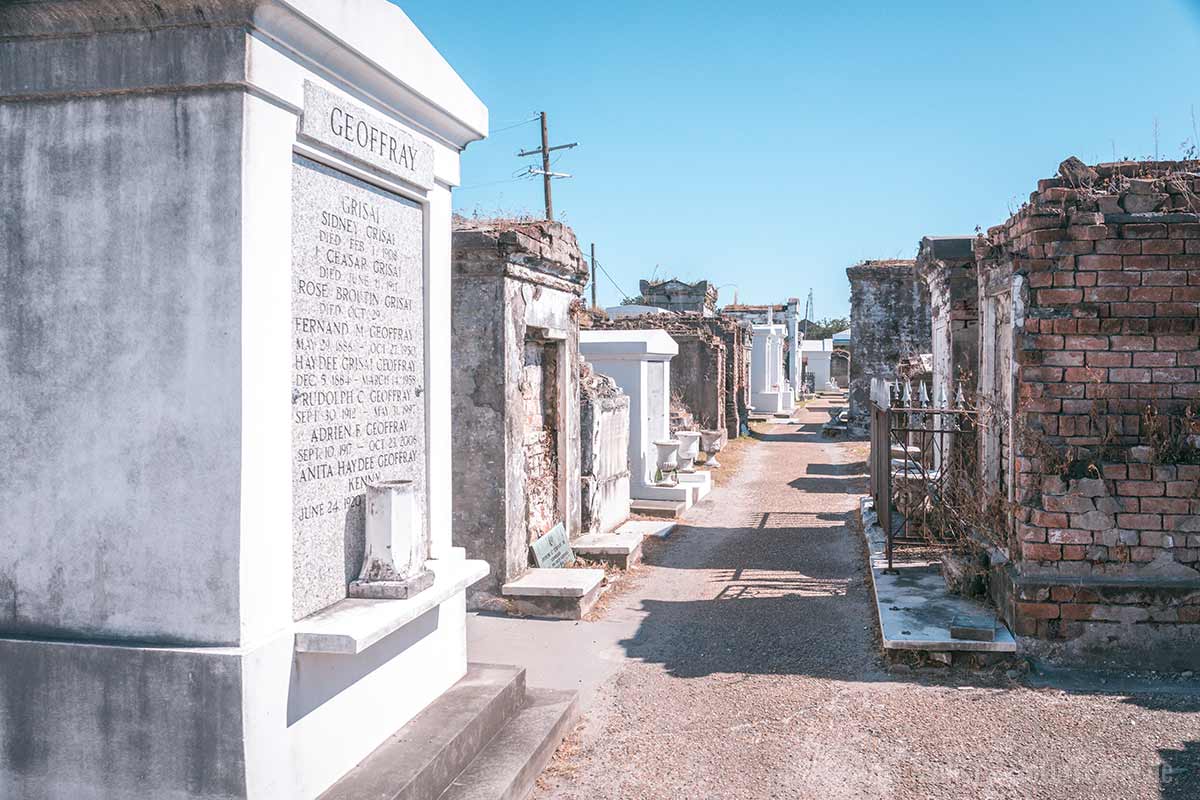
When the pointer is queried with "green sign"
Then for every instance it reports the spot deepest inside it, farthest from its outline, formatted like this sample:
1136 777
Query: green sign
553 549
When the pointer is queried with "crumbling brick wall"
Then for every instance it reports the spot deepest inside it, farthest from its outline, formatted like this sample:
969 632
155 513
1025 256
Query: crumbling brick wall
889 319
676 295
710 374
1095 286
515 465
947 266
604 452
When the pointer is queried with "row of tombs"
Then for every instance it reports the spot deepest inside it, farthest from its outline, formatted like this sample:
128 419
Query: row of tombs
271 424
566 421
1039 386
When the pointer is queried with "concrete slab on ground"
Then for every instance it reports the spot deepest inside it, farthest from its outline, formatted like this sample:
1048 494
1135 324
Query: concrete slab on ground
561 593
647 527
915 610
666 509
622 549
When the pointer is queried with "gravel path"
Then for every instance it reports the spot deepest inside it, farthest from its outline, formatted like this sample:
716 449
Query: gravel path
754 673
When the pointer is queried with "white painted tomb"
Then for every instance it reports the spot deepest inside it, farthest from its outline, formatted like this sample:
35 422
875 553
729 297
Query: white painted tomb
818 361
227 304
640 362
769 391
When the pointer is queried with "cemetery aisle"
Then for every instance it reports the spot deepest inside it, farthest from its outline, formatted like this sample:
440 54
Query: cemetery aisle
744 664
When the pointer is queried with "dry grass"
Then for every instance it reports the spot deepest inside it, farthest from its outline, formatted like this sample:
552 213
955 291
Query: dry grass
565 760
731 459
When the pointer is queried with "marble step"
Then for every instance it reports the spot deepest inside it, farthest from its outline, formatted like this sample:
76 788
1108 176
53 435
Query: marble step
666 509
622 550
512 761
647 527
562 593
419 761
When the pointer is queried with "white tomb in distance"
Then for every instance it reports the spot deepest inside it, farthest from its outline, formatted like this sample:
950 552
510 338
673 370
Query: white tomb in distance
640 362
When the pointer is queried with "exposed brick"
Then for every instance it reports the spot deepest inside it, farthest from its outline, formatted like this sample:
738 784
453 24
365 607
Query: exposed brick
1145 262
1132 343
1151 294
1099 262
1059 296
1140 488
1121 247
1139 230
1038 610
1140 521
1077 611
1103 294
1129 375
1165 247
1174 375
1068 536
1155 359
1041 552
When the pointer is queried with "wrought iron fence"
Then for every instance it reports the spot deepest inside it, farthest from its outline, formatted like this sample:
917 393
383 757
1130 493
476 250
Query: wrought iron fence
924 466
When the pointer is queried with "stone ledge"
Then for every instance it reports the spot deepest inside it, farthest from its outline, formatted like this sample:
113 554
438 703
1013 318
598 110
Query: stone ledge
914 607
352 625
555 593
622 549
647 527
548 582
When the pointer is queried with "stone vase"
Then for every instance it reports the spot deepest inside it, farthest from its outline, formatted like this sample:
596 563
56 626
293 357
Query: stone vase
396 545
667 461
689 449
712 442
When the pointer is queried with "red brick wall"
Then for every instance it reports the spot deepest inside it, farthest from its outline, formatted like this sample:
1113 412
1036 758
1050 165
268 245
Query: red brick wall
1108 325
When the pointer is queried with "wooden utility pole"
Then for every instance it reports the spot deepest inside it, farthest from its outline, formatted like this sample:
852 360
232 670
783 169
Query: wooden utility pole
546 168
593 274
545 172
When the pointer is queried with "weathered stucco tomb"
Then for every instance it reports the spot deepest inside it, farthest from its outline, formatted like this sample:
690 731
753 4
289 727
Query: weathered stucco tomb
515 391
1089 325
889 320
947 266
678 296
225 325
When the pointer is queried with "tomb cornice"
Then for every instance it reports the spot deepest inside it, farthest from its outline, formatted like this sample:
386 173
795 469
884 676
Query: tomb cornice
365 51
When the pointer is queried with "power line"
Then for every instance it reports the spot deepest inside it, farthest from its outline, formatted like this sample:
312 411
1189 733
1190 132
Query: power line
534 118
624 294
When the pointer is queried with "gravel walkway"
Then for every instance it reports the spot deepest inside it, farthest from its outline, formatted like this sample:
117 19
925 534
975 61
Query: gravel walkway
754 673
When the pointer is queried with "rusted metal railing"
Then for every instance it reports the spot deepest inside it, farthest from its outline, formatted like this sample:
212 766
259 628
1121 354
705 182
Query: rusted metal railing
924 465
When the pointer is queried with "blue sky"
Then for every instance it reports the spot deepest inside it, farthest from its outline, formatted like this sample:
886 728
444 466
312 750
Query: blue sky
771 145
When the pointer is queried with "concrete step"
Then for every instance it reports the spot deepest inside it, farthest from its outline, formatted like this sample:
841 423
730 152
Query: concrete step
622 550
511 762
420 760
647 527
557 593
666 509
700 479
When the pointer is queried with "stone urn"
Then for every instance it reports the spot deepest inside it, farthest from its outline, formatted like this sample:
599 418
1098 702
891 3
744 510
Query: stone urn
397 547
667 461
712 442
689 449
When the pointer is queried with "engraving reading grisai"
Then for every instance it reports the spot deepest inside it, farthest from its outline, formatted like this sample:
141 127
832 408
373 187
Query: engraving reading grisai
358 366
355 131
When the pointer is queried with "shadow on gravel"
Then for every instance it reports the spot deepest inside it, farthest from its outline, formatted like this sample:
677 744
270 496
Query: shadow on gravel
1179 772
788 597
